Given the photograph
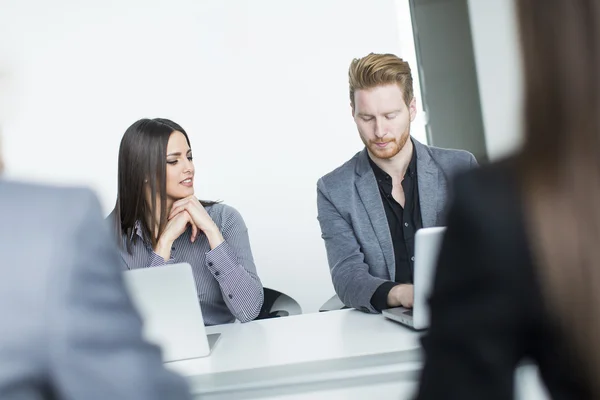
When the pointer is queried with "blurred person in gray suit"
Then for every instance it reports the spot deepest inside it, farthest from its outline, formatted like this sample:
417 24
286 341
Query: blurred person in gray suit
69 329
370 208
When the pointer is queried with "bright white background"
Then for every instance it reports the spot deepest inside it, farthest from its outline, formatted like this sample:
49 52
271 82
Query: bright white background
260 86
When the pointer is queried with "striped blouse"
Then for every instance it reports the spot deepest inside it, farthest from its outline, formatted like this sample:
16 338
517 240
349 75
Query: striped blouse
226 279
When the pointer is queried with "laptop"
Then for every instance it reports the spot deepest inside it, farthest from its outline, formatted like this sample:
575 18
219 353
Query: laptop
167 301
428 242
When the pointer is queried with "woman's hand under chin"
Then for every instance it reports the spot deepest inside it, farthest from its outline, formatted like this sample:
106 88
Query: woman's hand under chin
200 218
176 226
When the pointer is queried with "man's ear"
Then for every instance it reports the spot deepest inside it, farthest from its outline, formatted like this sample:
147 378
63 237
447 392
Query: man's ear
412 109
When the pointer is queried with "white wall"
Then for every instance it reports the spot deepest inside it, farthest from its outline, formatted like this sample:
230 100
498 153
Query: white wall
497 56
260 86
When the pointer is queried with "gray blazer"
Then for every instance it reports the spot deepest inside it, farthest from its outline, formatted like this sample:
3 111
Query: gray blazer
69 329
354 224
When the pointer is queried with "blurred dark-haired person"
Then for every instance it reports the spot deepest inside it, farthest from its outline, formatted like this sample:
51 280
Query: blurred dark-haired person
160 221
519 272
70 330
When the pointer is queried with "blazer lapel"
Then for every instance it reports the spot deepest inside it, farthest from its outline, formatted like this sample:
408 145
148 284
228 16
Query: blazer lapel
429 188
367 188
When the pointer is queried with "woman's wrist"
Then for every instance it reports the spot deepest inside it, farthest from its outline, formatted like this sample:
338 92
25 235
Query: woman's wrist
163 248
214 237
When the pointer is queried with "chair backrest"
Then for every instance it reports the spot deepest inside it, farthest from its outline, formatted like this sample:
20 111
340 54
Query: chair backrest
277 304
334 303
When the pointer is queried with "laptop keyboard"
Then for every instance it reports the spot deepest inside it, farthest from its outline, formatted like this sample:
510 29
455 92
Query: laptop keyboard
408 312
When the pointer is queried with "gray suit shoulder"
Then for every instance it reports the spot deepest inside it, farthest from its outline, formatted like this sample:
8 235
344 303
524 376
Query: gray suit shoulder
69 198
25 188
340 175
452 157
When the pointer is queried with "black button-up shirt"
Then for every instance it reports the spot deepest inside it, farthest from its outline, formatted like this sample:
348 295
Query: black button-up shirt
403 223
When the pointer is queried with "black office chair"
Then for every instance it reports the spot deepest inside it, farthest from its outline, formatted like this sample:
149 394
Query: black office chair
277 304
334 303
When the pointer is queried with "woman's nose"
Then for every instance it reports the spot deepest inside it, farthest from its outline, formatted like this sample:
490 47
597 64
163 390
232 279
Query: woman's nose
189 166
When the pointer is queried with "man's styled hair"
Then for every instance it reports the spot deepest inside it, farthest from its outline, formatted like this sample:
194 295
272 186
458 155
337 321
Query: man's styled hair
380 69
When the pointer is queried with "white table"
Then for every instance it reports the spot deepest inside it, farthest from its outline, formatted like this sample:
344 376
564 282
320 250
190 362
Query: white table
321 352
337 355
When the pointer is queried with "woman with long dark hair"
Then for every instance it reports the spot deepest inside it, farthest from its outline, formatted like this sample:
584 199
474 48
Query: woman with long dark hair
159 221
519 272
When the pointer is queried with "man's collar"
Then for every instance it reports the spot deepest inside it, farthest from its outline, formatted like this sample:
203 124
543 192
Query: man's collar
412 165
380 174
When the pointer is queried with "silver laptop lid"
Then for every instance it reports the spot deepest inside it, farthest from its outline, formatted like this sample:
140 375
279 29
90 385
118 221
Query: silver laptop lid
428 243
167 300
